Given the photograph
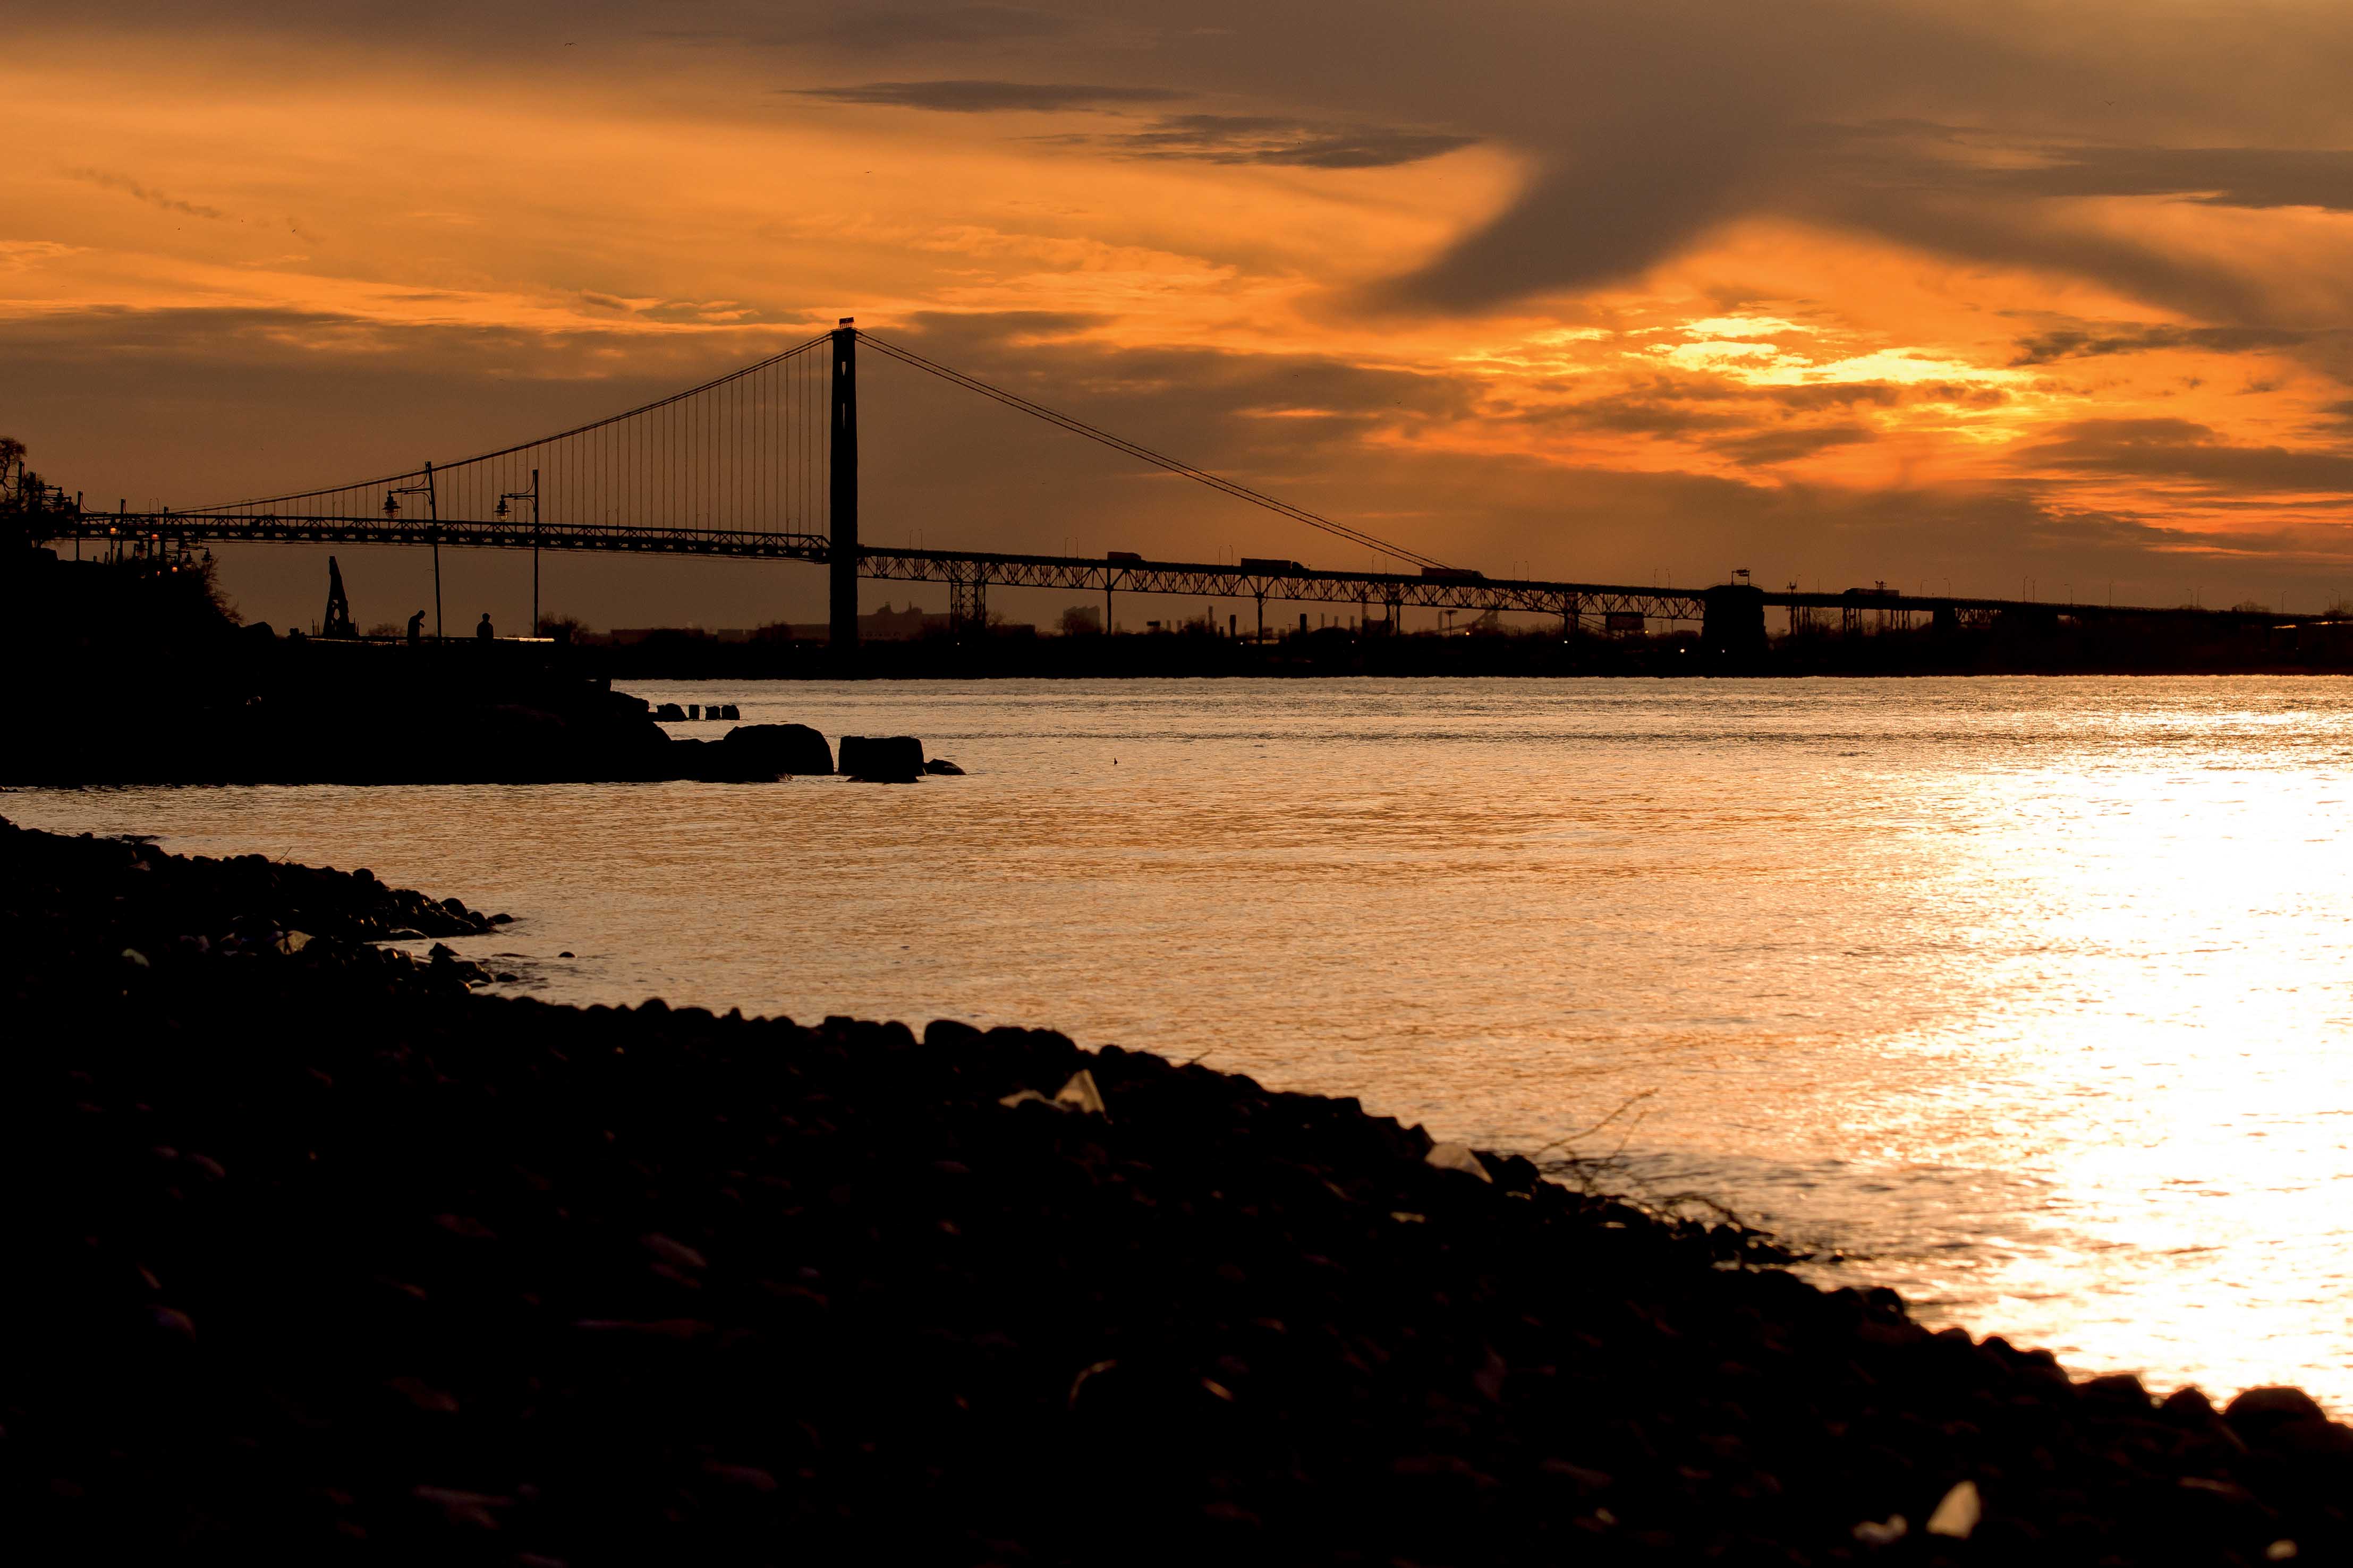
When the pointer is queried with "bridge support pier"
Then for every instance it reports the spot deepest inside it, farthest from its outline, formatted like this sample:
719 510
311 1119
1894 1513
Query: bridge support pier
967 604
1734 622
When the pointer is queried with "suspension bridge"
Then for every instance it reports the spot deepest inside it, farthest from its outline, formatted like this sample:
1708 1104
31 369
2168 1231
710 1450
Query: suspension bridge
762 463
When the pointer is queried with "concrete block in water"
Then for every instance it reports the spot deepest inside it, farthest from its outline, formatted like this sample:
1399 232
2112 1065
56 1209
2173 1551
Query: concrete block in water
895 758
767 750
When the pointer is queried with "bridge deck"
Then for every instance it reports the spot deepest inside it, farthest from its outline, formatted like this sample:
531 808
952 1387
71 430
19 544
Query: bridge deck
1285 581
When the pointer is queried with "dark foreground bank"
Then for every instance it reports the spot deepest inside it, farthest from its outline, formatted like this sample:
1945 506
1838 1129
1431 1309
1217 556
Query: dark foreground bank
315 1254
131 671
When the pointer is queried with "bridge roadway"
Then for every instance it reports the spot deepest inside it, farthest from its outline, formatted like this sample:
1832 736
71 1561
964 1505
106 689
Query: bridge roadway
968 572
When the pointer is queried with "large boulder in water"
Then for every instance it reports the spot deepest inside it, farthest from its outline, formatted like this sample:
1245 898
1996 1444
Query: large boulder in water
895 758
769 751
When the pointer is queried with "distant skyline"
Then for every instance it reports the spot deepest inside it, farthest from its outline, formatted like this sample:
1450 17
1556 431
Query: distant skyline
1933 293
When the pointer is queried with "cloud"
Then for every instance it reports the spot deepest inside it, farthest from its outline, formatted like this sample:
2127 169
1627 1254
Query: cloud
22 255
1672 122
1671 406
1269 139
1846 394
987 97
1658 409
2124 337
2220 176
1770 447
137 192
1201 138
902 27
2184 449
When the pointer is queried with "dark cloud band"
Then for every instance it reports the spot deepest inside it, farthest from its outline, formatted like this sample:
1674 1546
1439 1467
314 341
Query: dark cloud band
987 97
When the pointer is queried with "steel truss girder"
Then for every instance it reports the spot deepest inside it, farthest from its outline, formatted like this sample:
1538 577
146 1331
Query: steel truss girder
214 527
977 569
1194 580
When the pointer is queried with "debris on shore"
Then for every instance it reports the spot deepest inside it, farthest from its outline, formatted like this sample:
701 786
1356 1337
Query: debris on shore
317 1254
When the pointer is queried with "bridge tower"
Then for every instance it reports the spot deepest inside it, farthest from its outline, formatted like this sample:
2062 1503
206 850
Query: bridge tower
842 463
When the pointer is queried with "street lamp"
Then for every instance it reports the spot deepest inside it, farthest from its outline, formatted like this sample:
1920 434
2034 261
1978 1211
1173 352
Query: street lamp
530 495
433 512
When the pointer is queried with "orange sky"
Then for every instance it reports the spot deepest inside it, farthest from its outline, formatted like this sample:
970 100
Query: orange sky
1921 293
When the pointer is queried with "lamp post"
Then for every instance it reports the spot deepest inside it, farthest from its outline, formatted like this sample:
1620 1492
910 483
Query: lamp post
530 495
433 512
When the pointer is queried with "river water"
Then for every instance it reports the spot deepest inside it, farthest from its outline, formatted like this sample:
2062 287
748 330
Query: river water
2029 997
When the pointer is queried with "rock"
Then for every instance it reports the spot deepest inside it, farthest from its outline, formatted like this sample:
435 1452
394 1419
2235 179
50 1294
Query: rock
1457 1157
2259 1412
719 1282
1875 1532
1078 1094
772 750
942 765
896 759
1956 1515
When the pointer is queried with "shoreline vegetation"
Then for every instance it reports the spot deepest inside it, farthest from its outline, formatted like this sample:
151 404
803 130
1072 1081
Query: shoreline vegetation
168 688
190 697
319 1253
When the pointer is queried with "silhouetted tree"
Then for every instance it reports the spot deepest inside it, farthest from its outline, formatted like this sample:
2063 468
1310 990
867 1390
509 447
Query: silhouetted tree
12 457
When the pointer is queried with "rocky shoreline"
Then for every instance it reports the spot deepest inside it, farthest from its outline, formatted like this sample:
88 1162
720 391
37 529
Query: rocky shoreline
319 1253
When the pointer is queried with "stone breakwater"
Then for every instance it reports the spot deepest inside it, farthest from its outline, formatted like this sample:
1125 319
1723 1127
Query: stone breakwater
316 1253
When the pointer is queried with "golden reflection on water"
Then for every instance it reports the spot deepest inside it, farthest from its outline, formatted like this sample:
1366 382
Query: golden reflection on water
2030 995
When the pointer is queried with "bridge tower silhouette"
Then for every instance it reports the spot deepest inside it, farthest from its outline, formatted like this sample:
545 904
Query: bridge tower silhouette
843 488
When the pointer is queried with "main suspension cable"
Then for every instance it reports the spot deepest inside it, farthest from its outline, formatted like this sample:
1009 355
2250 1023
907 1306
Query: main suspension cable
1158 459
592 424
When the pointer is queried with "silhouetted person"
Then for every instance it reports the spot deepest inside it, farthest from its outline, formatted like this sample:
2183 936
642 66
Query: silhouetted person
416 628
483 632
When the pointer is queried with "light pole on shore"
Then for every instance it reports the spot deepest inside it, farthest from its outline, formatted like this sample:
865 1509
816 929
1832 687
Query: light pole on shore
433 512
530 495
